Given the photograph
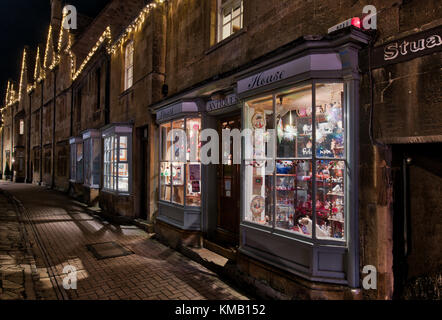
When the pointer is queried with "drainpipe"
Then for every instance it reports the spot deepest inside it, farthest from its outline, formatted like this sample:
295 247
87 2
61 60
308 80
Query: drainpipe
12 142
28 164
107 92
41 134
3 134
53 132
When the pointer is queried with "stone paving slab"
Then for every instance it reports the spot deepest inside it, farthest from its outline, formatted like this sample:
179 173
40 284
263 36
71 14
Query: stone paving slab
15 261
59 230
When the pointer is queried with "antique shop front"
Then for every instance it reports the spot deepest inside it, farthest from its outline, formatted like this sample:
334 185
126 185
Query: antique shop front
292 202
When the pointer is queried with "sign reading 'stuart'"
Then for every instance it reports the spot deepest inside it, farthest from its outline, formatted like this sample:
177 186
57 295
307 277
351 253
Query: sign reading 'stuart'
408 48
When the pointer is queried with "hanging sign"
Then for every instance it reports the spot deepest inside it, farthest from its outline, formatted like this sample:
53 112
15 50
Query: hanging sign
413 46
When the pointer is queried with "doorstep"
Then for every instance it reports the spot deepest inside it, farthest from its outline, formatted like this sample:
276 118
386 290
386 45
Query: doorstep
227 252
144 225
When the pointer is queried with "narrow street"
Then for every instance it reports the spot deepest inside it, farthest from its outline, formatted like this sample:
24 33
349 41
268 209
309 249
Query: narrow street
43 231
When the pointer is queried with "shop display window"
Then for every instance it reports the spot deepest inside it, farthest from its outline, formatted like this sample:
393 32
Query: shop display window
117 162
76 160
180 167
92 160
306 183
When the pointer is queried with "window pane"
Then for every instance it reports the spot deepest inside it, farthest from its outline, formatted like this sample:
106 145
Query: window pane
123 184
165 144
227 16
123 170
79 164
330 190
193 142
294 123
330 133
236 24
178 183
259 192
193 194
179 141
237 11
226 31
294 196
165 178
87 162
259 118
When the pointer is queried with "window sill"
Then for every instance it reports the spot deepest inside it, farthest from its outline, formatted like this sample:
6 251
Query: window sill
176 205
116 193
126 92
226 41
294 236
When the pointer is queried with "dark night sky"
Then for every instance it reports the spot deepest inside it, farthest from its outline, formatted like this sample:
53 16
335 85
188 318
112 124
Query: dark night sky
26 22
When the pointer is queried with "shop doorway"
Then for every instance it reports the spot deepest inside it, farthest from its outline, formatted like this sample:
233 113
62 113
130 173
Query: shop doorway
229 190
417 220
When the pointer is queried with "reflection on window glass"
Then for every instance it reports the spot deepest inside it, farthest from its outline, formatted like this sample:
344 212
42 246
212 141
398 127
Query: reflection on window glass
116 164
294 123
178 183
259 193
330 132
330 190
165 179
180 169
259 185
231 18
294 196
193 194
279 188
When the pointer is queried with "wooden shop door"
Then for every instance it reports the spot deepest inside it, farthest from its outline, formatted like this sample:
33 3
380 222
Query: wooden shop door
229 190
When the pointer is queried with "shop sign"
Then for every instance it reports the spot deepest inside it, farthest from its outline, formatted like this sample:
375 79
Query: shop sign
229 101
182 107
413 46
330 61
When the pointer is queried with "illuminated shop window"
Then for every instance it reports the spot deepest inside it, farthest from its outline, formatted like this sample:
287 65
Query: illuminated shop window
92 158
116 163
230 18
129 65
282 190
180 177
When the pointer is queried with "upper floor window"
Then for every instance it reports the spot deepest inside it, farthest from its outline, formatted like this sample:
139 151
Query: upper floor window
230 17
22 127
129 65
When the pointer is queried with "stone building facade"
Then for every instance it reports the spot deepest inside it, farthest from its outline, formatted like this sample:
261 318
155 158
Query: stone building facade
91 110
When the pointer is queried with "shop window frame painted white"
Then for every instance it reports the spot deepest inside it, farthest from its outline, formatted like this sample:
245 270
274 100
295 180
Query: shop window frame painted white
229 5
76 176
186 164
116 132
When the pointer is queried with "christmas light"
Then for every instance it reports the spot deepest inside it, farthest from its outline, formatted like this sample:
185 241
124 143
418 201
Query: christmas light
23 68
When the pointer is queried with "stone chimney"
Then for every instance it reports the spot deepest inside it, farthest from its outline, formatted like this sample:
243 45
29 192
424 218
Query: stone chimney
56 13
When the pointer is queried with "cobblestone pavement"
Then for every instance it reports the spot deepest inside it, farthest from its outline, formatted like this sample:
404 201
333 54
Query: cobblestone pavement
58 229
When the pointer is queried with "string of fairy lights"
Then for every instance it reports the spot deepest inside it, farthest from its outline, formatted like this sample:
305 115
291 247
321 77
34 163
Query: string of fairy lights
12 96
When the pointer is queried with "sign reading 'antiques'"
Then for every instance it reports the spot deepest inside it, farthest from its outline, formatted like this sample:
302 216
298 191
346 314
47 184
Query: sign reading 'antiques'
413 46
230 100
